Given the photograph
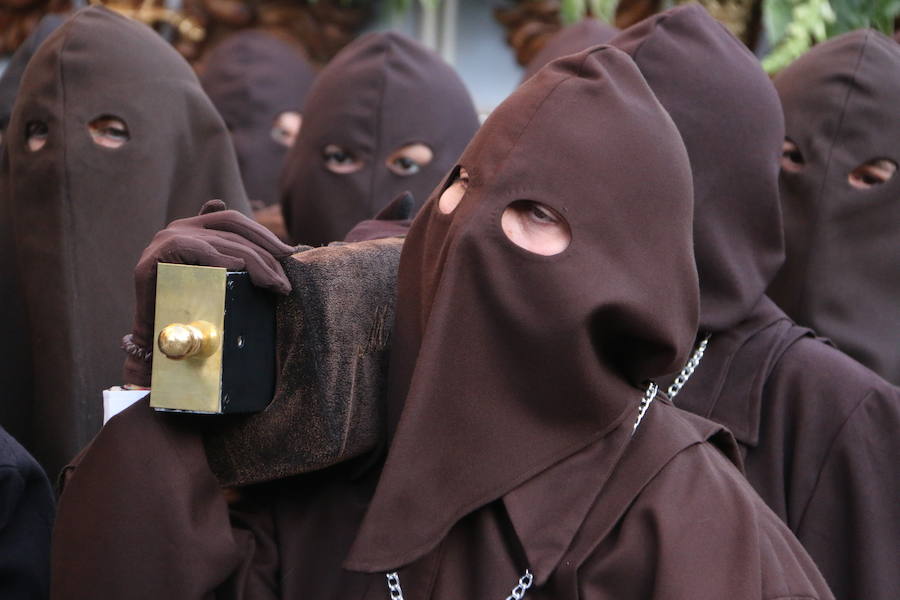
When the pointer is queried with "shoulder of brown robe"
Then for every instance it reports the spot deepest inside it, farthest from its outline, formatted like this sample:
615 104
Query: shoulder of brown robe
81 213
721 542
142 516
674 519
826 462
840 276
816 431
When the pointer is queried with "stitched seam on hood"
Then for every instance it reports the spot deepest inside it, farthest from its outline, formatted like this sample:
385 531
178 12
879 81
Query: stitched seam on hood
378 126
818 214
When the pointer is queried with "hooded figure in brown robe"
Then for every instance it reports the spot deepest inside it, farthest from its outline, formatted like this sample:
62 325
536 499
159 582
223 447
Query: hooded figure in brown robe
570 40
111 138
817 430
387 115
258 83
536 299
839 194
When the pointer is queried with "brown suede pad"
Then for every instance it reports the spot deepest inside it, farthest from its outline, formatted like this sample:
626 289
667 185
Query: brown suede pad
333 333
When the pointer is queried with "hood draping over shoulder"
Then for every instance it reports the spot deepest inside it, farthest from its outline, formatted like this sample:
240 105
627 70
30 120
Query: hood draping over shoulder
253 77
81 213
728 114
382 92
842 273
570 40
505 362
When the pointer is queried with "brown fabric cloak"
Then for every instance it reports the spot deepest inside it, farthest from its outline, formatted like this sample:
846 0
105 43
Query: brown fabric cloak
817 430
80 214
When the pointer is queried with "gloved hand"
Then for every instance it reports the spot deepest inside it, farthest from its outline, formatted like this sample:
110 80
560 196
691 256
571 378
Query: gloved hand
216 238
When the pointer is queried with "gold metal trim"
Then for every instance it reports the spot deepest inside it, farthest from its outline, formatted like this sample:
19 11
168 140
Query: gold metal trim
187 369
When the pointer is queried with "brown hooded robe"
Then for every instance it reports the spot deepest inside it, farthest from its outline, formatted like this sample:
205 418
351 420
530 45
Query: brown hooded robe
817 430
252 77
509 447
841 275
80 214
380 93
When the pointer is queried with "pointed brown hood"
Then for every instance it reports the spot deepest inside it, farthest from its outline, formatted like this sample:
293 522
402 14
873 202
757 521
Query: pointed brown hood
252 77
728 114
82 213
504 361
842 273
380 93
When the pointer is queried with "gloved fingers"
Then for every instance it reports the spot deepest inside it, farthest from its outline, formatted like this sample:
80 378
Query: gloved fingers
264 254
264 270
171 248
197 250
234 222
211 206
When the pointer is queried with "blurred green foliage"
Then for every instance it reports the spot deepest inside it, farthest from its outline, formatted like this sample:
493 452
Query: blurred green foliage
794 26
573 10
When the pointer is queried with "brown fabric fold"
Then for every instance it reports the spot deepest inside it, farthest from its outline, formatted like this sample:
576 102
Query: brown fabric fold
141 516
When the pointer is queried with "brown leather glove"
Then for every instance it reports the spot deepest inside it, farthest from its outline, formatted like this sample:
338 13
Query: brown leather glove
216 238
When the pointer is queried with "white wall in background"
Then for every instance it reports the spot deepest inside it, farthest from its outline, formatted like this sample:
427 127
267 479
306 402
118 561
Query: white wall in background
465 33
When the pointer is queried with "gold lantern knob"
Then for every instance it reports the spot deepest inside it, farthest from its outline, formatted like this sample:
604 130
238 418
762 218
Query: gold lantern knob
178 341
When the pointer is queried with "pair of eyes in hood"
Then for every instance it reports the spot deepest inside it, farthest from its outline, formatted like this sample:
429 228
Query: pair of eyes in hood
528 224
405 161
107 131
869 174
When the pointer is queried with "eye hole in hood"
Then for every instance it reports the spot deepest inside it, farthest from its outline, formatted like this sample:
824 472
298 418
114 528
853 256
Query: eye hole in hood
875 172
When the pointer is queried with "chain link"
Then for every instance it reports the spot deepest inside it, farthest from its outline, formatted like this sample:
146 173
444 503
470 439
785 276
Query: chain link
393 581
518 592
525 581
649 396
688 370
